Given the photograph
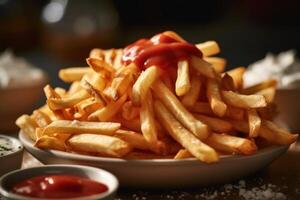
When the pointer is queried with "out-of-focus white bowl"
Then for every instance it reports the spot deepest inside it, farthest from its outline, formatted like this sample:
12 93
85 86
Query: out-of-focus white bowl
100 175
288 102
164 173
17 101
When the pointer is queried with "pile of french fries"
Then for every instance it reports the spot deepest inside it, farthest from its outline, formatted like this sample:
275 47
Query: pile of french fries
196 109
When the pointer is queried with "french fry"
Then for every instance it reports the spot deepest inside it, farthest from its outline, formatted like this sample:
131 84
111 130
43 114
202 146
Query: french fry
254 122
217 63
88 106
182 85
133 124
101 67
244 101
129 111
216 124
208 48
190 98
109 111
237 76
231 144
148 125
75 87
97 53
214 98
183 136
202 67
100 144
49 142
96 80
268 93
93 92
117 88
179 111
62 103
143 83
73 74
41 118
260 86
28 126
182 154
78 127
227 82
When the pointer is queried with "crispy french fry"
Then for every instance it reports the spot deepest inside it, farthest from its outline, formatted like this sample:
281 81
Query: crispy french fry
182 85
190 98
237 76
97 53
88 106
143 83
183 136
41 118
182 154
109 111
78 127
101 67
217 63
202 67
73 74
133 124
96 80
117 88
216 124
179 111
227 82
50 142
28 126
268 93
260 86
93 92
231 144
148 125
62 103
208 48
214 98
75 87
129 111
244 101
100 144
254 122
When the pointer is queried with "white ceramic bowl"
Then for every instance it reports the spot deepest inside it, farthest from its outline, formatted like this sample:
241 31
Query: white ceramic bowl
164 173
10 179
16 101
11 161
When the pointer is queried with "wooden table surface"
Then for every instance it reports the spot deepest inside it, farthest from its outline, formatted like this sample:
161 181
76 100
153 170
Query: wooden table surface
280 180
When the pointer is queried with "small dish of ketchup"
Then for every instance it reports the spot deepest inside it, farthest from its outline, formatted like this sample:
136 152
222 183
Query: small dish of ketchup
61 182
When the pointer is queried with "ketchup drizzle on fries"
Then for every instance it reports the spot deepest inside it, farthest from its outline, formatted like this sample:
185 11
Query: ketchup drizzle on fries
161 50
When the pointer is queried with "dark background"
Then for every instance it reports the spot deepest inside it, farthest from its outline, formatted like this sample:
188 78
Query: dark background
59 33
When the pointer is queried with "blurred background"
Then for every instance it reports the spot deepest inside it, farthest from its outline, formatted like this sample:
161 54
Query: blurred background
59 33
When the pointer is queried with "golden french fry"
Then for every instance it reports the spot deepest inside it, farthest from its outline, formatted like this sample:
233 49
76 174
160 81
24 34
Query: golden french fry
96 80
97 53
182 154
237 76
109 56
148 125
260 86
182 85
217 63
183 136
41 118
129 111
73 74
101 144
101 67
28 126
133 124
216 124
118 59
275 134
143 83
75 87
179 111
93 92
78 127
244 101
117 88
62 103
202 67
49 142
109 111
190 98
214 98
268 93
254 122
208 48
227 82
60 91
231 144
88 106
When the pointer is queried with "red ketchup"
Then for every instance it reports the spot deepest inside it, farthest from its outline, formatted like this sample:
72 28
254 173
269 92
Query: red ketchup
161 50
59 186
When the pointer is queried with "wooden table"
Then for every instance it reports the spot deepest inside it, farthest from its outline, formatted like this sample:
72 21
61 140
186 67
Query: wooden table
280 180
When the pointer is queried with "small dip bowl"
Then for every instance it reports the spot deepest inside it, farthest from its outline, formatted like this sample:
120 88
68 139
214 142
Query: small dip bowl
11 154
8 181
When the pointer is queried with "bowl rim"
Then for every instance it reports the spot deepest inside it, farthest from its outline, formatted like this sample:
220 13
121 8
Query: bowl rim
15 141
112 188
28 143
